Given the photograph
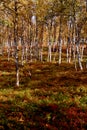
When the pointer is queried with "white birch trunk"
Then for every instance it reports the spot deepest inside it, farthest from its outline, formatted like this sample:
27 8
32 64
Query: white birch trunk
67 54
26 53
15 42
70 53
49 53
17 75
74 51
60 40
22 56
8 51
79 58
31 51
60 51
82 50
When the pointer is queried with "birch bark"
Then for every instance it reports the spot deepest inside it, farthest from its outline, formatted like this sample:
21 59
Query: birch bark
15 42
60 40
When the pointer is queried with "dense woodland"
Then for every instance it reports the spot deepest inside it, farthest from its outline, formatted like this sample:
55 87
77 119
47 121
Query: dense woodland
30 28
43 64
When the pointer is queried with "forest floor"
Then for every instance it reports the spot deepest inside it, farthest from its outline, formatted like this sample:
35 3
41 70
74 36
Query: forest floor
53 98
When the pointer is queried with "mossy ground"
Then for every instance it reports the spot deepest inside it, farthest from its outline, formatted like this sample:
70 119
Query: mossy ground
53 98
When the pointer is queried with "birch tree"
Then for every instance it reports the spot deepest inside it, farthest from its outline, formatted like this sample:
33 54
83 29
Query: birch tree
13 12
